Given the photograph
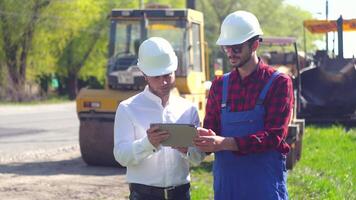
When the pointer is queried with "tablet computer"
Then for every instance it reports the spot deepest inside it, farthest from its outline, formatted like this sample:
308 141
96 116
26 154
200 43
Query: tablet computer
180 135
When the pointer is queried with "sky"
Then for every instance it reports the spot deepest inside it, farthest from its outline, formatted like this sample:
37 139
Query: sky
346 8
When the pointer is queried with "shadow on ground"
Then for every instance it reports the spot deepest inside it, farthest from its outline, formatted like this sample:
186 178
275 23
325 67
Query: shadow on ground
72 166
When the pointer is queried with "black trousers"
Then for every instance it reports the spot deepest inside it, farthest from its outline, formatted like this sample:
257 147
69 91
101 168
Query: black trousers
145 192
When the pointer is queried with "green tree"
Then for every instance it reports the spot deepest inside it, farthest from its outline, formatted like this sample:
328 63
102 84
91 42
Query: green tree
276 19
77 39
75 54
40 38
18 22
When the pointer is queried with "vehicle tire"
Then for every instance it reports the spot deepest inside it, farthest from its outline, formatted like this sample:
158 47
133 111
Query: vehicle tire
96 140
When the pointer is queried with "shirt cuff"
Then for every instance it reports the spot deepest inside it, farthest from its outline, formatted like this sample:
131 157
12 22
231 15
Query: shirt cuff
184 155
194 156
241 149
148 146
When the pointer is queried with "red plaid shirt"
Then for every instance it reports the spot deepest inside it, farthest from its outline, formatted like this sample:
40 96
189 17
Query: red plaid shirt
242 95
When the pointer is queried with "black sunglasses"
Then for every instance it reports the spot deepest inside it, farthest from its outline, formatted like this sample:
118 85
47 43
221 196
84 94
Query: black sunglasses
236 48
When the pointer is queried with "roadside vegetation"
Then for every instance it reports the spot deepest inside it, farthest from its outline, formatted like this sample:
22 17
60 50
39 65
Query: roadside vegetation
327 169
51 99
48 45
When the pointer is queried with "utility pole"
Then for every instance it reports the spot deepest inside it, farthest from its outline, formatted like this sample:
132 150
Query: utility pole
326 34
141 4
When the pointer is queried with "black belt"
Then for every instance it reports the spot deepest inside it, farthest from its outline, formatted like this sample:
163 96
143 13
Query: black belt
162 192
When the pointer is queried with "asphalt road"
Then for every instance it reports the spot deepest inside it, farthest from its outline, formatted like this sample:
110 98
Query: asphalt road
40 158
36 128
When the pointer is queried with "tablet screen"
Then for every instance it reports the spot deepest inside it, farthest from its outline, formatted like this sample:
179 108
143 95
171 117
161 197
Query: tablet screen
180 135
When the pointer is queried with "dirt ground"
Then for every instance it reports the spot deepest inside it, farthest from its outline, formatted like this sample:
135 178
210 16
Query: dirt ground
58 174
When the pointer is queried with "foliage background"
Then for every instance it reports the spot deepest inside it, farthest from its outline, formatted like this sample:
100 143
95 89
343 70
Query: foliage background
70 37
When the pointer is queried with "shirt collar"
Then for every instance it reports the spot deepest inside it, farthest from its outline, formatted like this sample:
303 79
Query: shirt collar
253 77
154 97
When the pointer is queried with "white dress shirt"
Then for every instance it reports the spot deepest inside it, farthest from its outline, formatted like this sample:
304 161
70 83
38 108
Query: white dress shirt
164 166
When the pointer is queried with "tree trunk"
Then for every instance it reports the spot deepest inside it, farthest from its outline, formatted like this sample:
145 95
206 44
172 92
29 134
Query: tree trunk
16 51
72 85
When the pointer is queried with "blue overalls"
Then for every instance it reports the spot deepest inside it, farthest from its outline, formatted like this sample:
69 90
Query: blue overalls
254 176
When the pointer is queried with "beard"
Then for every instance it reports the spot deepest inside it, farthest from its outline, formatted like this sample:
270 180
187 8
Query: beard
162 91
244 60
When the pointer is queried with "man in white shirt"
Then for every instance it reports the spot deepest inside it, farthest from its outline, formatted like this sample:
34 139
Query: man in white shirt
154 171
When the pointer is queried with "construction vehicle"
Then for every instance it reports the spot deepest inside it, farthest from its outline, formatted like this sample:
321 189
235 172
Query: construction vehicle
183 28
282 54
328 92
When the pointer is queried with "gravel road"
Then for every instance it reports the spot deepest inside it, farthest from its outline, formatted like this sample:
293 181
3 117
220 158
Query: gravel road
40 160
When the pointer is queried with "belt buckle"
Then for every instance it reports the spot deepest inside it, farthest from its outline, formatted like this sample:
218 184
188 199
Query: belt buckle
166 191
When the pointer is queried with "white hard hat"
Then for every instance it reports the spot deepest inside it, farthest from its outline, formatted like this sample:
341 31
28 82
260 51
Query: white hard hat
156 57
238 27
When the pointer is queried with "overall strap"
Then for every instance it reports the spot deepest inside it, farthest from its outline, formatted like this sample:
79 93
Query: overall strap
225 89
263 94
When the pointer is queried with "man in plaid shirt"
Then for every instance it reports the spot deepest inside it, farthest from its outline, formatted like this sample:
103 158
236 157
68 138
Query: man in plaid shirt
247 117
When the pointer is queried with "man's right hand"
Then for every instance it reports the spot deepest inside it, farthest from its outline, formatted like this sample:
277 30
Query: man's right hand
156 136
208 141
205 132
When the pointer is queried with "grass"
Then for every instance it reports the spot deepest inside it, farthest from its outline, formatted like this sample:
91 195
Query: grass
52 99
327 169
202 180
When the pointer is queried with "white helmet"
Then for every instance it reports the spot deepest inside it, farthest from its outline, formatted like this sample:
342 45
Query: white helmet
238 27
156 57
